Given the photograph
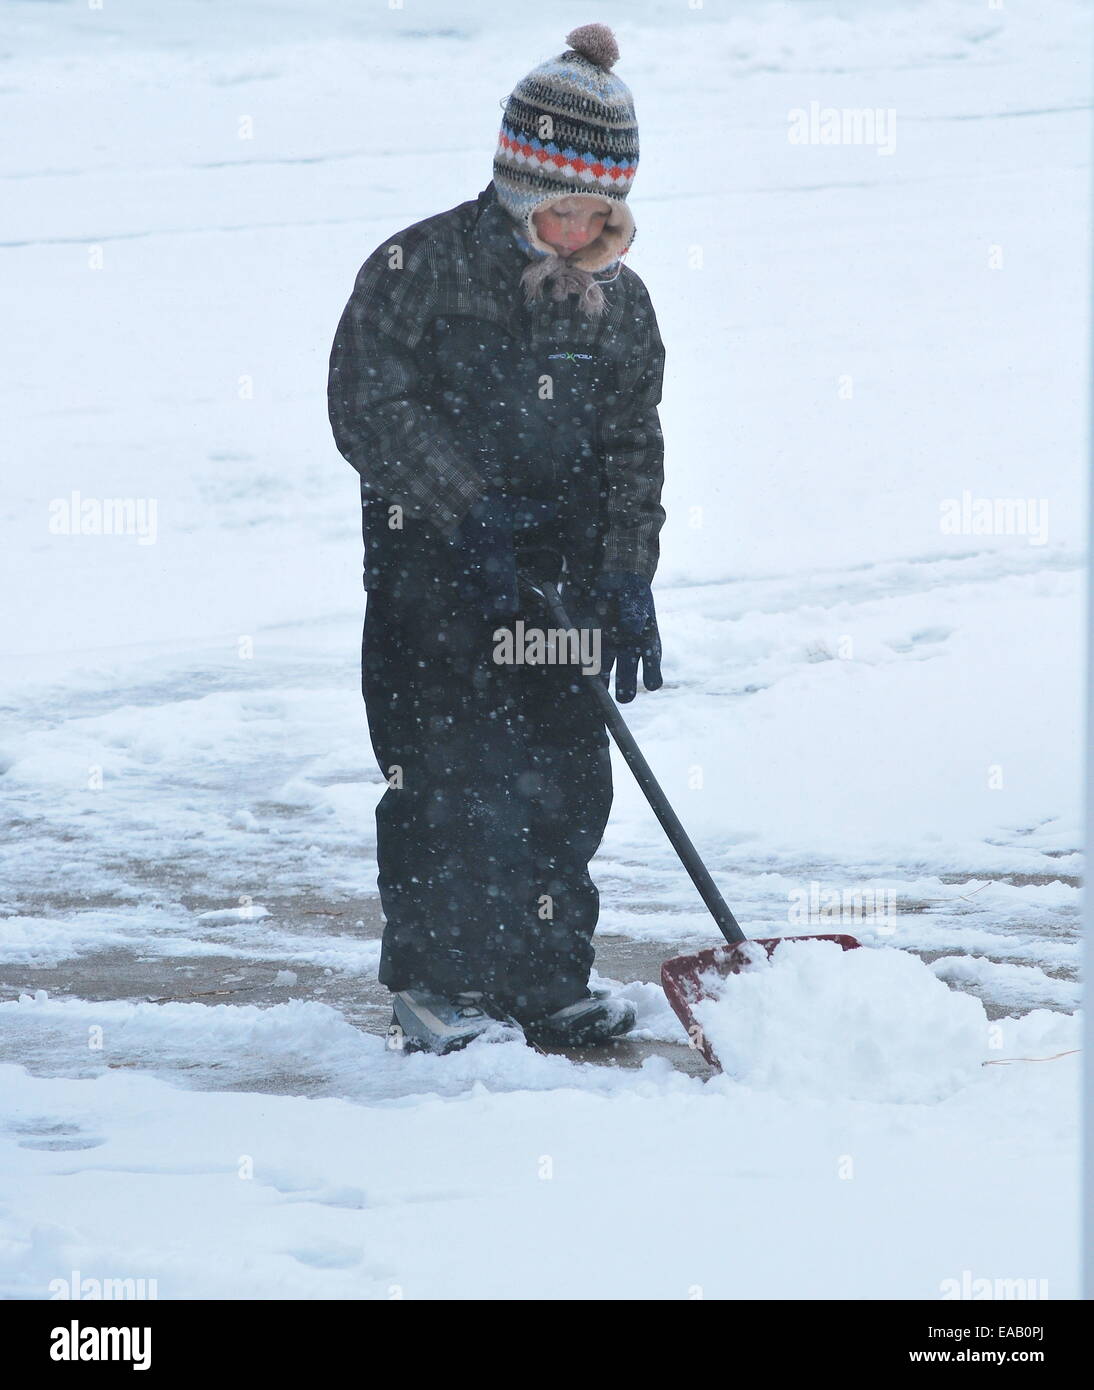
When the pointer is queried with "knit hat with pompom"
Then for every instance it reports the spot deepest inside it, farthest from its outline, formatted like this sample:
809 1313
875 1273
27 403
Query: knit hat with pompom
569 130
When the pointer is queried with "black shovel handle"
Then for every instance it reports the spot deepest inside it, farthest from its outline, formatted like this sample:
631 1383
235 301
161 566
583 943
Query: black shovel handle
670 822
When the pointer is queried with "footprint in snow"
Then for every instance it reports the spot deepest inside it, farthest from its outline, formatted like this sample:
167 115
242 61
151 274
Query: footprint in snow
925 637
54 1135
328 1257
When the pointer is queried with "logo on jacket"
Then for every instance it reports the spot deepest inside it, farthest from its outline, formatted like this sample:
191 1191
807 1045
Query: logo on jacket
571 356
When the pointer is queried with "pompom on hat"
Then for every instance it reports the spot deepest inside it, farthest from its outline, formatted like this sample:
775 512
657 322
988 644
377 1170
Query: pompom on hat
569 130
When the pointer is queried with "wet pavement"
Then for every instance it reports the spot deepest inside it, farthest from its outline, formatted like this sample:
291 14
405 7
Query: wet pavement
137 975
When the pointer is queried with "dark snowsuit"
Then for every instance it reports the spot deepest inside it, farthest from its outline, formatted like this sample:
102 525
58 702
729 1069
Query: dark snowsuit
443 384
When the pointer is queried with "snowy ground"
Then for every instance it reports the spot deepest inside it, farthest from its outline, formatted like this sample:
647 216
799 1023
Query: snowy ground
858 700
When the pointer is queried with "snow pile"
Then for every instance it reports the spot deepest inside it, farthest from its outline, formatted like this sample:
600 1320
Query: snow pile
868 1024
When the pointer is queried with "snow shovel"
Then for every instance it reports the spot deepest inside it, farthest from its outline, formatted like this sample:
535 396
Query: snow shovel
682 976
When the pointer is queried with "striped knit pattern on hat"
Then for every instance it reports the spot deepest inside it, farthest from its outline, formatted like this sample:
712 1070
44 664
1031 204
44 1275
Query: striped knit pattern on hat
569 130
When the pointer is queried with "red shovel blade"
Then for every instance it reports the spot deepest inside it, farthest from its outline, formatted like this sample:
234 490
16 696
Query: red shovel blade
680 978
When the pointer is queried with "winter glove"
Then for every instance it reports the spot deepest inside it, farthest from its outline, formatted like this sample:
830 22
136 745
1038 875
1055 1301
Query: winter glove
487 557
621 605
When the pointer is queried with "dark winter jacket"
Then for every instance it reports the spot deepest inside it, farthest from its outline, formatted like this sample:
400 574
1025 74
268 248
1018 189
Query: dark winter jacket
444 383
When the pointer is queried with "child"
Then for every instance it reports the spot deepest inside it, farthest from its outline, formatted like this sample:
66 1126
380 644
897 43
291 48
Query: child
495 380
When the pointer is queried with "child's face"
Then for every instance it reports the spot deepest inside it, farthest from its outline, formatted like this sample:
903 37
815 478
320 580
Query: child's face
571 223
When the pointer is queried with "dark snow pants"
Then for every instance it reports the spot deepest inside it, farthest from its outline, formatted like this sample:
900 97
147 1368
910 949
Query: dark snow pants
499 791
